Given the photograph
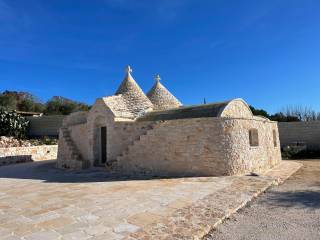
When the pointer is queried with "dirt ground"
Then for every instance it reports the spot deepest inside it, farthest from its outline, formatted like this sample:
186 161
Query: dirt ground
290 211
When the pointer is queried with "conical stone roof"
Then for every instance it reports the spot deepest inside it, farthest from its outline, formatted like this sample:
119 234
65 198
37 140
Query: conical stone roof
161 98
134 98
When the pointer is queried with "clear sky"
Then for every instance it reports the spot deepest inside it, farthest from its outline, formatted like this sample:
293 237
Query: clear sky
266 51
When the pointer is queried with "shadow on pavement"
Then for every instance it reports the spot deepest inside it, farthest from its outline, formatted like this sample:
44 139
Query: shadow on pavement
47 172
303 199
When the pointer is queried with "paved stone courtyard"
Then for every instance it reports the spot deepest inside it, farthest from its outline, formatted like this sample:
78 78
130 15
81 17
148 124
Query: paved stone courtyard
38 201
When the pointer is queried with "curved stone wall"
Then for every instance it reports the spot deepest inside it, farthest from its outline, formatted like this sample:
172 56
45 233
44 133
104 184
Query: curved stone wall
236 108
244 158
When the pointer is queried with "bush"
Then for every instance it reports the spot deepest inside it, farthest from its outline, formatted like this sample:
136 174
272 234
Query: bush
49 141
8 102
304 154
12 124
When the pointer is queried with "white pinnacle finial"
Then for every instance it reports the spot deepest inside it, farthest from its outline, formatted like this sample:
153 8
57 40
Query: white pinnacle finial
157 78
128 69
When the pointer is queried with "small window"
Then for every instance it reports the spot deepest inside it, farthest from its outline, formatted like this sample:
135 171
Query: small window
274 137
253 137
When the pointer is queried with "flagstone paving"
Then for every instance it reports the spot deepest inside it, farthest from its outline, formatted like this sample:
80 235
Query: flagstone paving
38 201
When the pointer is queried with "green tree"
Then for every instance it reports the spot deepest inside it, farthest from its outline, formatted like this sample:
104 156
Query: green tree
8 102
29 105
259 112
60 105
280 117
21 101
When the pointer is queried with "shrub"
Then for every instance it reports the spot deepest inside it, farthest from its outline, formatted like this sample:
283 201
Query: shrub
49 141
304 154
12 124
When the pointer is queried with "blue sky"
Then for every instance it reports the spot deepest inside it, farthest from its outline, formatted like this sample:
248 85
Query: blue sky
266 51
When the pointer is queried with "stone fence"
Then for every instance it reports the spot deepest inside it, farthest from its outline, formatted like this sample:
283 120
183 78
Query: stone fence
45 125
27 154
301 132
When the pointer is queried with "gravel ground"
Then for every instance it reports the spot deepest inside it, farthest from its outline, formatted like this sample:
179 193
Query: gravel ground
290 211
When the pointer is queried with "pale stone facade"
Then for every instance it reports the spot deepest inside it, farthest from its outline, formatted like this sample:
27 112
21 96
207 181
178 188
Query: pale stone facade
133 133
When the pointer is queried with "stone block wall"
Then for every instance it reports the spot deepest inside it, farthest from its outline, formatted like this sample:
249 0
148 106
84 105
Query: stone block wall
26 154
79 134
75 118
202 147
120 132
308 132
98 116
184 147
45 125
124 134
244 158
237 108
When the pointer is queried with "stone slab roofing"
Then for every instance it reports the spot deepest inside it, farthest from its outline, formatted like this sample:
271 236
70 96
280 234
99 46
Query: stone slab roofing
161 98
129 100
118 106
232 108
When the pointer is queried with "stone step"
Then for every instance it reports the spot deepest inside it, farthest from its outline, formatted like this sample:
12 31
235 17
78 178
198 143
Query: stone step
139 143
143 137
73 150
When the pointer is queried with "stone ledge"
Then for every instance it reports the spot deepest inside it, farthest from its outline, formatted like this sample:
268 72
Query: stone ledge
196 220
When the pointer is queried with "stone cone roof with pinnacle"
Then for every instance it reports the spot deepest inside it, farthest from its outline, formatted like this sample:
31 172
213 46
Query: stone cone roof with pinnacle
161 98
133 96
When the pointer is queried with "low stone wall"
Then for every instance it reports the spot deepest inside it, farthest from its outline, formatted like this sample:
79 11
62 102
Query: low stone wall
27 154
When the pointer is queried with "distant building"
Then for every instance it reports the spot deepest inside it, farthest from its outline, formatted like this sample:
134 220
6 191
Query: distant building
136 133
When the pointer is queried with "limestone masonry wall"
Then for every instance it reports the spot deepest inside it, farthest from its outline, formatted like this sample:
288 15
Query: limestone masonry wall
75 118
308 132
26 154
245 158
237 108
98 116
79 134
123 134
202 147
179 147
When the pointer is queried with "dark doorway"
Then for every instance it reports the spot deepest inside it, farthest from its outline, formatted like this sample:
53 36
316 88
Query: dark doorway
103 142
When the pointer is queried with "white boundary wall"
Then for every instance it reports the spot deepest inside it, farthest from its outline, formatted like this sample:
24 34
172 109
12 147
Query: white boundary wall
308 132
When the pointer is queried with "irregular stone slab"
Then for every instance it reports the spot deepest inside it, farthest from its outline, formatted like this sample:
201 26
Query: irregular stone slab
39 201
195 221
